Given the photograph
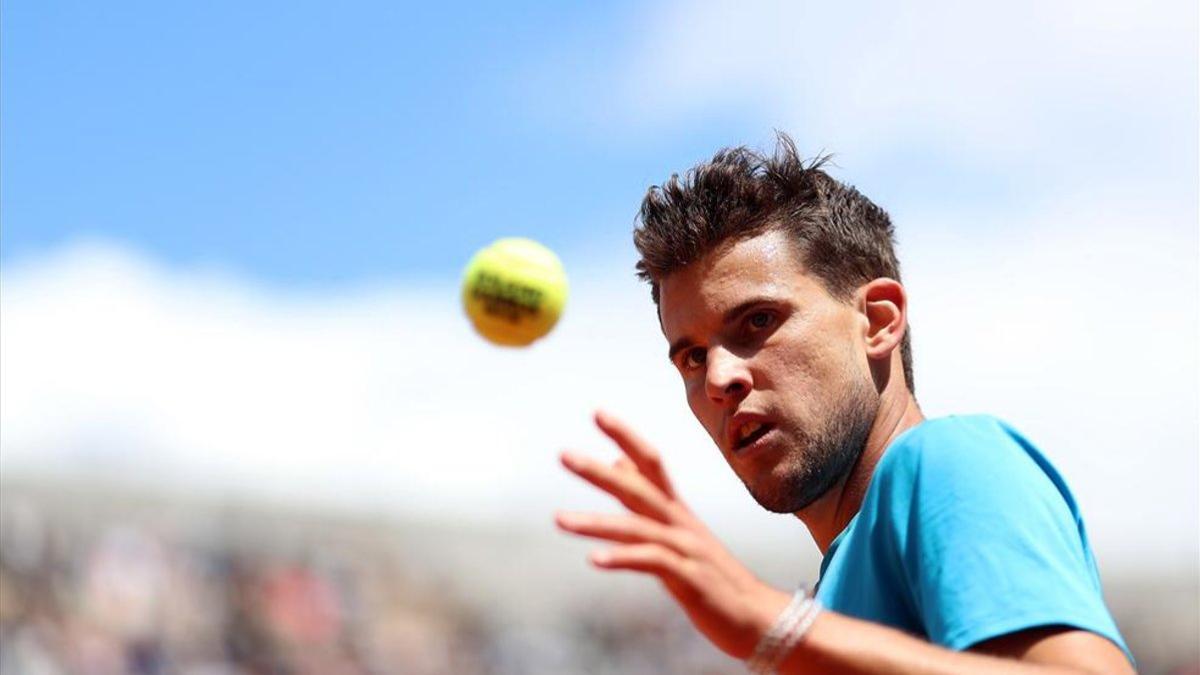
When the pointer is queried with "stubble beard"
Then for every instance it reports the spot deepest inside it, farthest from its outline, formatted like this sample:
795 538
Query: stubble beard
821 460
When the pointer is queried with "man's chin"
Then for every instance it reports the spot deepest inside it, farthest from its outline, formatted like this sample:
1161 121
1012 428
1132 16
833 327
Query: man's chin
788 497
797 489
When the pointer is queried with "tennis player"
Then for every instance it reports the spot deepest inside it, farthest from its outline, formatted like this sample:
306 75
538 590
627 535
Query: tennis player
950 545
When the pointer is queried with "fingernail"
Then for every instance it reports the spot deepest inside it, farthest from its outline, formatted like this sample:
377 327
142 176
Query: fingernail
601 557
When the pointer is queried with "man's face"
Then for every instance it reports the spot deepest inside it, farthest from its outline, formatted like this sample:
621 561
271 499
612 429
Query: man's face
775 368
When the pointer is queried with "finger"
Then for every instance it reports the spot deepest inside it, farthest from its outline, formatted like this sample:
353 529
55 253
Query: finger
624 464
631 488
650 558
624 529
643 455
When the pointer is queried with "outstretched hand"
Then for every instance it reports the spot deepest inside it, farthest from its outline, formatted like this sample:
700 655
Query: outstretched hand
661 536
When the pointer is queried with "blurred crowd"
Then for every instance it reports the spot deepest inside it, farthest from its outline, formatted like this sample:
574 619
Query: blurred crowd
94 589
124 598
85 591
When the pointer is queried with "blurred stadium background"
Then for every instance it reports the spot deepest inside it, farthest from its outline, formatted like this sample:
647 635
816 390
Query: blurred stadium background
245 428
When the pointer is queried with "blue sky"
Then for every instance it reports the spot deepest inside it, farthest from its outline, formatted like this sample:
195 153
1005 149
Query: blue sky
231 235
305 142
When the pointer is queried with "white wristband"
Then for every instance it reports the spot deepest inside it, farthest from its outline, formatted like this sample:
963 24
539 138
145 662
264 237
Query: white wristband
789 628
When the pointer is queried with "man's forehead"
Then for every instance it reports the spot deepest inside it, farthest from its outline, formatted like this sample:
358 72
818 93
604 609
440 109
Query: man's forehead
769 258
765 265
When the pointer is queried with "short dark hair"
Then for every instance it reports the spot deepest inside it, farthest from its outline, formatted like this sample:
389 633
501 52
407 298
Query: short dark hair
844 239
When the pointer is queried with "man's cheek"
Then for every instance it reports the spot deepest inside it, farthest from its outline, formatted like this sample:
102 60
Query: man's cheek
703 413
694 390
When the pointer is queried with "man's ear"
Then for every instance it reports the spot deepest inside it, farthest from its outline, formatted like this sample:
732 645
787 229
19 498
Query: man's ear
885 305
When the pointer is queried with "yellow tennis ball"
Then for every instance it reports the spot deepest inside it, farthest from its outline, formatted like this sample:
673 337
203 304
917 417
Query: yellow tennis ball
514 291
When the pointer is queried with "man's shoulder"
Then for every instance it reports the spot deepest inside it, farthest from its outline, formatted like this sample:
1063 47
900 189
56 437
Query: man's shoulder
969 463
968 457
956 443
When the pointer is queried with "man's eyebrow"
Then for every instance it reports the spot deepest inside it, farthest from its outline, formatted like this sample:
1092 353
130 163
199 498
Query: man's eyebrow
728 317
676 347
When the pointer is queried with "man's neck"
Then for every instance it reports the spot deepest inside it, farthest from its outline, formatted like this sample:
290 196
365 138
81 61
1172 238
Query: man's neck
829 515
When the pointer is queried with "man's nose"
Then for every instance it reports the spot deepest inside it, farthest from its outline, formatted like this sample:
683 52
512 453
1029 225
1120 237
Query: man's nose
727 377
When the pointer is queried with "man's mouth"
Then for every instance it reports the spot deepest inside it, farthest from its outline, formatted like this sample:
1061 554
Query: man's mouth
751 432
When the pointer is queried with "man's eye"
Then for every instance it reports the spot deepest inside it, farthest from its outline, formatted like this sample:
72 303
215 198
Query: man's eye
760 320
694 358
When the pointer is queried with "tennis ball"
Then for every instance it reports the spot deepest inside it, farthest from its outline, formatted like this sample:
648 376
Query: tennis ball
514 291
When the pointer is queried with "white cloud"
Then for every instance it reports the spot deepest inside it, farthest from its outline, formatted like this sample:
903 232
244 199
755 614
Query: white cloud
1078 332
1073 91
379 397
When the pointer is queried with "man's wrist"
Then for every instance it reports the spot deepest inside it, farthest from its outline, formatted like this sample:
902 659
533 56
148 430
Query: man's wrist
785 632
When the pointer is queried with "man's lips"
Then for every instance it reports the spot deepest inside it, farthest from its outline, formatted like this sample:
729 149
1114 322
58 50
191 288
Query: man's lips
745 429
753 437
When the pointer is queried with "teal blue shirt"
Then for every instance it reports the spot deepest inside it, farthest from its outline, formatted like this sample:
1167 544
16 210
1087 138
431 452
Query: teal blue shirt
966 533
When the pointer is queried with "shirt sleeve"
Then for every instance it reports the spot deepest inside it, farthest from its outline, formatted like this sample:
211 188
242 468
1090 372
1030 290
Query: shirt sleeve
993 543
